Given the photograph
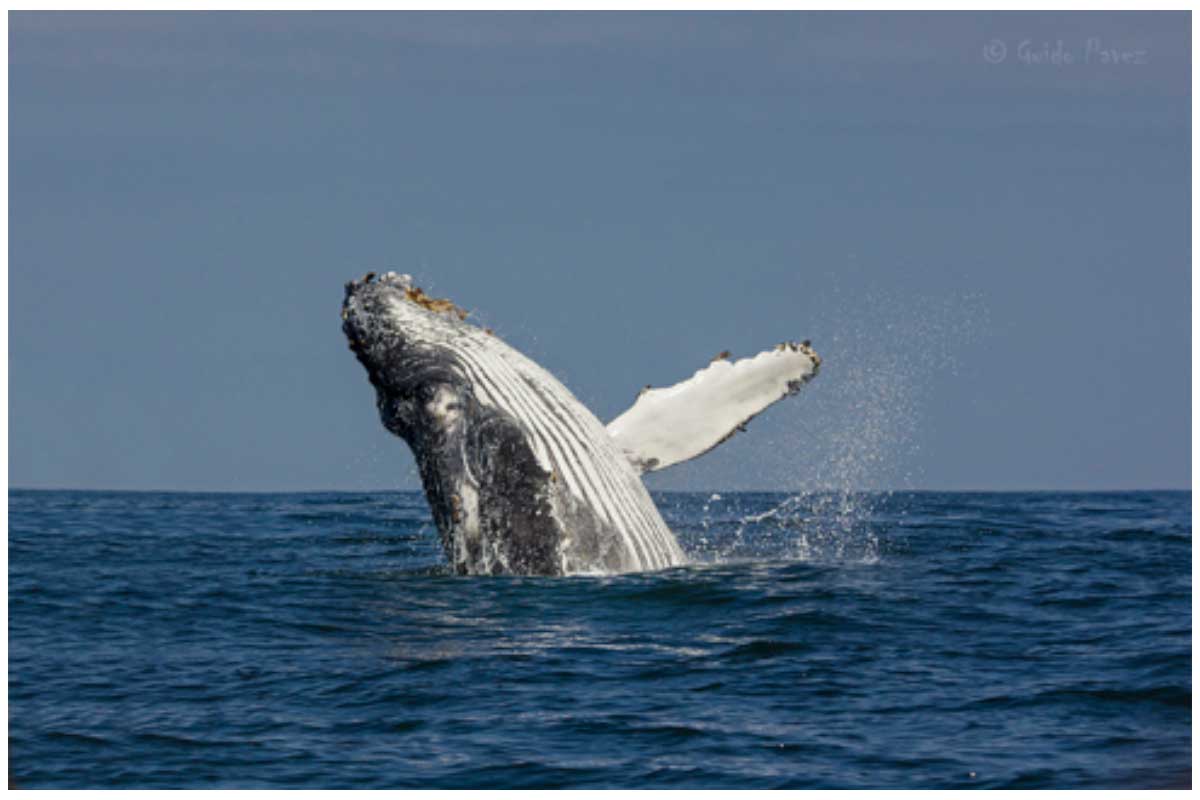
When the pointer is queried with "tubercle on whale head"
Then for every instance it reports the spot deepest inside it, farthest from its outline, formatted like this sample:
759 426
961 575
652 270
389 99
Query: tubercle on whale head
404 285
374 307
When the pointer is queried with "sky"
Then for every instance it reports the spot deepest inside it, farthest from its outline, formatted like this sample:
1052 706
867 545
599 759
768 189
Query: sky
981 221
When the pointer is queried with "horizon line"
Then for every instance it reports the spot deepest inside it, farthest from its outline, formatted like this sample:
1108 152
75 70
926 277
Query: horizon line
649 489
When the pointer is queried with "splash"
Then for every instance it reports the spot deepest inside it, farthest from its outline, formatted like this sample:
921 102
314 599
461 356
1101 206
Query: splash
815 526
855 437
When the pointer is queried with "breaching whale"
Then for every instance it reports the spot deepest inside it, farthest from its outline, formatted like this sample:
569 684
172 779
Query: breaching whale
520 477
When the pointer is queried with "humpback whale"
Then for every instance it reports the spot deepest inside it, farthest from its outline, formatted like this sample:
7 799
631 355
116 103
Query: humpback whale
520 477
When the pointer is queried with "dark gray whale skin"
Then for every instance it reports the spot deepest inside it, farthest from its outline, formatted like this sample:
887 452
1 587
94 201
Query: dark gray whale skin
409 378
497 509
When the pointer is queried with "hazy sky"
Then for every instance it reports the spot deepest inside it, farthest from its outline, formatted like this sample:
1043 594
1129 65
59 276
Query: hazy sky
982 221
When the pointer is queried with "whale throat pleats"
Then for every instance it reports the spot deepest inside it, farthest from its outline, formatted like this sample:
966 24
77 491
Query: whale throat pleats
573 445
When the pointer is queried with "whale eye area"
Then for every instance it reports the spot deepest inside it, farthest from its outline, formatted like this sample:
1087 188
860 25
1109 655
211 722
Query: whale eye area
441 402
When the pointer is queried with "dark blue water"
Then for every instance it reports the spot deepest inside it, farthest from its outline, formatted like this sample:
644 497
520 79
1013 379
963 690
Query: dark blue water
313 640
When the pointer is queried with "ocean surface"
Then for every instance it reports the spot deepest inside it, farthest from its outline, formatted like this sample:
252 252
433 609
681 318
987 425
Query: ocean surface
908 640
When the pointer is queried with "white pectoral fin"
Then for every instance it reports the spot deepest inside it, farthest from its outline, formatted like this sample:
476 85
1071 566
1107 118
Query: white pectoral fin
676 423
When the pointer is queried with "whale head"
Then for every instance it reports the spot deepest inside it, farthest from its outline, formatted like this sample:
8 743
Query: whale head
521 478
400 335
490 497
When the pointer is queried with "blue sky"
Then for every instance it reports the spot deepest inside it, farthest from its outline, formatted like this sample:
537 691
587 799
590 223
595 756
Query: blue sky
989 247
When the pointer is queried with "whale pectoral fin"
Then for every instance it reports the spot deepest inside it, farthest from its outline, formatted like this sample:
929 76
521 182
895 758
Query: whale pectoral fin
677 423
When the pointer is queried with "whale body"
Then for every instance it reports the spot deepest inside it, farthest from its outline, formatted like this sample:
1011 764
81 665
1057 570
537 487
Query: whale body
520 477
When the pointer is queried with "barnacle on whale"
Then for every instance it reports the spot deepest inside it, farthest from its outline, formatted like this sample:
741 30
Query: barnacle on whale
414 294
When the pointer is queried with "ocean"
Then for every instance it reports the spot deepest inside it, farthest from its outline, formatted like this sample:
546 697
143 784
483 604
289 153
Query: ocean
905 640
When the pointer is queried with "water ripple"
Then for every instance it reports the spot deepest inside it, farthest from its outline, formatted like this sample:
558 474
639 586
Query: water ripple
916 640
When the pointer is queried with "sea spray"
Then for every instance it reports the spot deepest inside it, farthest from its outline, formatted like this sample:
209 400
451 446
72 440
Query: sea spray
852 437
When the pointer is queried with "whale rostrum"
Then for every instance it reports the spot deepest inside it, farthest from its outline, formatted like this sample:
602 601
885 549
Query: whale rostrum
520 477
